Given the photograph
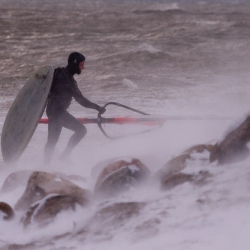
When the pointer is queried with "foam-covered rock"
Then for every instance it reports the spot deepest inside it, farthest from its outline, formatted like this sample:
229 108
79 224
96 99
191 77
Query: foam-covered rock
45 210
120 176
172 174
110 217
200 152
42 184
233 147
171 181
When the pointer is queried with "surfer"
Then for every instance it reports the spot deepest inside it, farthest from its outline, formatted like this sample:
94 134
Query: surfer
64 88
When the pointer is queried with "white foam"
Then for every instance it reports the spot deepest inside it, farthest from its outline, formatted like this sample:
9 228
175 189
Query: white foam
129 84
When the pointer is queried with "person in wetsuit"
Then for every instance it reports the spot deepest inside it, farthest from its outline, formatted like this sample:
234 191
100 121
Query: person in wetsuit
64 89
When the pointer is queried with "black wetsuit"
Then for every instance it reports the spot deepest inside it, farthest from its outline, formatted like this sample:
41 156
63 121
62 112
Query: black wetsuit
64 89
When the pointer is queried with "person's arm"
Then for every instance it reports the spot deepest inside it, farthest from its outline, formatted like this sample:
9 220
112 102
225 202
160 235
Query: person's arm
85 102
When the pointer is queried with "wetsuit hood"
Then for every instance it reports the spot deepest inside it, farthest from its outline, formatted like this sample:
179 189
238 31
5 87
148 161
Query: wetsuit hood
73 62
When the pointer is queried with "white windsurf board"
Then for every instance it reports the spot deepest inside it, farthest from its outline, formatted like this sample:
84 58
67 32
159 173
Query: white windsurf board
25 113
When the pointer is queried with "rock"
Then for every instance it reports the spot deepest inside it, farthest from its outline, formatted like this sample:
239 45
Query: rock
171 174
233 147
7 211
147 229
111 217
120 176
42 184
200 152
45 210
71 177
200 148
119 212
176 179
175 165
16 180
20 178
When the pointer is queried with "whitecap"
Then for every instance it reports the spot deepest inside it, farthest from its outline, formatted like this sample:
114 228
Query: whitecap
147 47
129 84
163 7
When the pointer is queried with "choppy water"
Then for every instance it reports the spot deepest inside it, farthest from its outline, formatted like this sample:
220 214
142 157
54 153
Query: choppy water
169 58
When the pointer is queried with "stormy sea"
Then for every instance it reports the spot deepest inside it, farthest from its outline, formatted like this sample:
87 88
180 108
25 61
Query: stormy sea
186 61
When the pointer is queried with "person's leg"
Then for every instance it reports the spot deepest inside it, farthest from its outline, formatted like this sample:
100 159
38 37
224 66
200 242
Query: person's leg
54 131
70 122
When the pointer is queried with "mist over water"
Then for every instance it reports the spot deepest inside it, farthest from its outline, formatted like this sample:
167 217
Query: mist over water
188 61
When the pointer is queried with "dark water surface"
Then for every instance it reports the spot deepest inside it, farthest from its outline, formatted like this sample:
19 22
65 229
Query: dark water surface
153 44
